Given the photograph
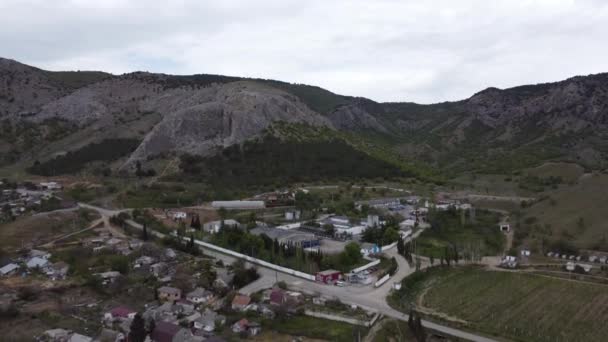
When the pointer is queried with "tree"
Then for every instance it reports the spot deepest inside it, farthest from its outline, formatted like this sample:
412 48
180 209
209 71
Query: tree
329 229
223 214
138 171
137 332
145 233
196 222
400 246
390 235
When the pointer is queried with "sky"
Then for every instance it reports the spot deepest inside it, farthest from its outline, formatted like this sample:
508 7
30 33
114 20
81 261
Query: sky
415 51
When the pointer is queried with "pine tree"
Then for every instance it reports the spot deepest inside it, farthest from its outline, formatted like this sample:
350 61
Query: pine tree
145 233
137 332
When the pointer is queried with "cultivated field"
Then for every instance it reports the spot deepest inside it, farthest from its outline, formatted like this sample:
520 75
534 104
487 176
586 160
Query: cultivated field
521 307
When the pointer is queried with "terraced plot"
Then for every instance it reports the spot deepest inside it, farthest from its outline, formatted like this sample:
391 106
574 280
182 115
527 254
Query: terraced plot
522 307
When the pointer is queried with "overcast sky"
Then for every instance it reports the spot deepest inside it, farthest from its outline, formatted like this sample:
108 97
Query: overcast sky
421 51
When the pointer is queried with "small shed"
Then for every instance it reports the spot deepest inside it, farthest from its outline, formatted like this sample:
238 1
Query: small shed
328 276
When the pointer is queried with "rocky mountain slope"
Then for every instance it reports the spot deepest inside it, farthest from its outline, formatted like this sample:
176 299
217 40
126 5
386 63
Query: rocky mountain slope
494 130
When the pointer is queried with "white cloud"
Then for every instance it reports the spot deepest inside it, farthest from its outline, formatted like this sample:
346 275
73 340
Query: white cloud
386 50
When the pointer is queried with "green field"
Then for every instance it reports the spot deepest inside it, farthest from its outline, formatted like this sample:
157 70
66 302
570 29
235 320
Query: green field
574 214
456 229
522 307
316 328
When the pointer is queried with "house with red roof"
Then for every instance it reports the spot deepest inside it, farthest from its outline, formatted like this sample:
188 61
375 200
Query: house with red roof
277 297
240 302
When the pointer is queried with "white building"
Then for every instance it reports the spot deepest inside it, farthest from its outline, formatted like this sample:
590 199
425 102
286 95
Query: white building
8 269
214 227
179 215
50 186
37 262
291 215
238 204
407 224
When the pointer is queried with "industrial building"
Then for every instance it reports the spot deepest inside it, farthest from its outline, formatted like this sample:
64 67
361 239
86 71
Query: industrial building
296 237
215 226
238 204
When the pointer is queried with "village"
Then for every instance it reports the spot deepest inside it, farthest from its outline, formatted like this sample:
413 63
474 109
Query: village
183 293
226 269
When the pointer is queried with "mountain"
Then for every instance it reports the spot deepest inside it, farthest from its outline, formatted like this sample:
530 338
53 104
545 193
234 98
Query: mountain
55 116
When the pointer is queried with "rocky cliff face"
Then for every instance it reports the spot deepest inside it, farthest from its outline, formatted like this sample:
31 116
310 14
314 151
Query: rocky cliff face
24 89
220 116
570 104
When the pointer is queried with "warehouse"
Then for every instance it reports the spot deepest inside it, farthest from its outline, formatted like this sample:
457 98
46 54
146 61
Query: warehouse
238 204
296 237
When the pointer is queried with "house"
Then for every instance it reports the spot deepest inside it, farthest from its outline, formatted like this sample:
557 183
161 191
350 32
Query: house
240 326
119 313
143 261
58 270
40 254
199 295
9 269
208 321
266 311
108 277
215 226
328 276
407 224
50 186
179 215
167 293
159 269
240 302
293 298
277 297
170 254
254 328
56 334
164 332
292 215
37 262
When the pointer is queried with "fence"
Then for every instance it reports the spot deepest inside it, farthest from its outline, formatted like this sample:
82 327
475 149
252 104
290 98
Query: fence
382 280
339 318
253 260
235 254
366 266
387 247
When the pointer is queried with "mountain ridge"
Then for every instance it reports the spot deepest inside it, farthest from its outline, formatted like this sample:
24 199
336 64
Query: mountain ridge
202 114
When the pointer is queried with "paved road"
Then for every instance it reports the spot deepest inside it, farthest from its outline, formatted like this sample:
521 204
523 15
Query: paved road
364 296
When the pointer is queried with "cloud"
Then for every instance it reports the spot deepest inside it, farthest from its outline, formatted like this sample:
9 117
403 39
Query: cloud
386 50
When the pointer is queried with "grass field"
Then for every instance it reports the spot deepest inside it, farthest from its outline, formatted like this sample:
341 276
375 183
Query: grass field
316 328
569 172
39 229
574 213
521 307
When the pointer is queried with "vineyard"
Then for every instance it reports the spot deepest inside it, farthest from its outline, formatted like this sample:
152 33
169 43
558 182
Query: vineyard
522 307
